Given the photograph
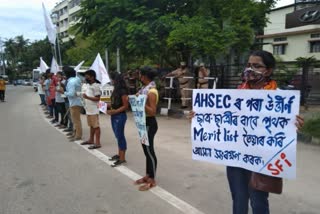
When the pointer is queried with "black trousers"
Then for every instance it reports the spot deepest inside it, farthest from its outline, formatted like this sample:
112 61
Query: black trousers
2 95
151 158
61 109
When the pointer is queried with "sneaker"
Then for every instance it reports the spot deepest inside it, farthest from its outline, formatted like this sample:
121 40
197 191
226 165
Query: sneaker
67 130
114 158
118 162
69 134
54 121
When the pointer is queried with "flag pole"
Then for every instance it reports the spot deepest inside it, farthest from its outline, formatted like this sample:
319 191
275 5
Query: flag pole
59 49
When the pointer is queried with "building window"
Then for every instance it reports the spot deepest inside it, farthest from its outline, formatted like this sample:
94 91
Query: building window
315 47
279 49
280 39
315 35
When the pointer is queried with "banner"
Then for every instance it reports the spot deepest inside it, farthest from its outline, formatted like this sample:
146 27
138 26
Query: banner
54 66
77 68
101 71
50 27
138 109
43 66
251 129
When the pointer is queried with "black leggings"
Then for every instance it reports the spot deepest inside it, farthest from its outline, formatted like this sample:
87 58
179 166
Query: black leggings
151 159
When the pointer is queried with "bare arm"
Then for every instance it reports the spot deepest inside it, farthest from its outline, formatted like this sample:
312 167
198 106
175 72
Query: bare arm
151 105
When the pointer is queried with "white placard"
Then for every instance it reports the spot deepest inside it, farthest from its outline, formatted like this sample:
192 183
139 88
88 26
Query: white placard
251 129
138 109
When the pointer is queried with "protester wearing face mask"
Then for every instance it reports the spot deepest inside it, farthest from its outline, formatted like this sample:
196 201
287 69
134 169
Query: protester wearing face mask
256 75
91 97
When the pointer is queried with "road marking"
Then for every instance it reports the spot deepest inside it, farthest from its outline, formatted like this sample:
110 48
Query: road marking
158 191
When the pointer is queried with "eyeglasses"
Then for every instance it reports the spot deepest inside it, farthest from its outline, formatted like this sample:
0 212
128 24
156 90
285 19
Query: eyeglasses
255 66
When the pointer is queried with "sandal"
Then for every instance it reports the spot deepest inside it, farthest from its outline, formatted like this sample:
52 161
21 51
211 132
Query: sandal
94 146
114 158
147 186
86 143
141 180
118 162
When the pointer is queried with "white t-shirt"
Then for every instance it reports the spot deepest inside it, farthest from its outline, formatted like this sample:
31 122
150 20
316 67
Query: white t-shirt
92 90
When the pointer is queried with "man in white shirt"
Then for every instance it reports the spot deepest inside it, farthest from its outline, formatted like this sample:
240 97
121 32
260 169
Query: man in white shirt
91 96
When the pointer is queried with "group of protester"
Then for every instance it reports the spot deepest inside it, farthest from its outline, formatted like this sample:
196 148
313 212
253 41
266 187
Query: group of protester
257 75
63 96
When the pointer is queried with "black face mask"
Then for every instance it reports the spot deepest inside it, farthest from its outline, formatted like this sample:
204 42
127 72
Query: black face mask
88 81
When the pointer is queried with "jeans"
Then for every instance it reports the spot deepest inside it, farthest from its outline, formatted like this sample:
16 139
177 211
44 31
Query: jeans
241 193
118 122
68 117
42 99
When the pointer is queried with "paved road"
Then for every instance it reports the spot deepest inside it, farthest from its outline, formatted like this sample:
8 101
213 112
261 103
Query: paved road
41 172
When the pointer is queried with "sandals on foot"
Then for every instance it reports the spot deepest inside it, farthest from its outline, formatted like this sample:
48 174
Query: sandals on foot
141 180
94 146
114 158
118 162
86 143
147 186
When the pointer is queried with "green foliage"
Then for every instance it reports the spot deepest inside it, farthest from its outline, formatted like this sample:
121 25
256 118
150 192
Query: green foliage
166 31
312 126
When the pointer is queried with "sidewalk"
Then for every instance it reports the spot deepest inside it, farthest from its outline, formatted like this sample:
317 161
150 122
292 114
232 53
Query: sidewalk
204 185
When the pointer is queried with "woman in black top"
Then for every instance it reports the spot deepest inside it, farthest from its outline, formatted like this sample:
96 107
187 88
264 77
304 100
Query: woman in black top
119 105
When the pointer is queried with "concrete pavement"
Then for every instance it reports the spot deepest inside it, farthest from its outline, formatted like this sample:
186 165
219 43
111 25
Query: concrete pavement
41 172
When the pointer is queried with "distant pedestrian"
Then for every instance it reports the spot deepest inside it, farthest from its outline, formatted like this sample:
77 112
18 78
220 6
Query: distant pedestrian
73 90
2 89
119 105
41 91
149 89
91 96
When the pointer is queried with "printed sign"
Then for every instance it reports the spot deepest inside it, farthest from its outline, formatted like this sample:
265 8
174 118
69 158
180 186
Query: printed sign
137 105
103 106
251 129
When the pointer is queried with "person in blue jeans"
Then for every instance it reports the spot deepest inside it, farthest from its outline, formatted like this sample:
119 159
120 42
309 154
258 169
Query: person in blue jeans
119 105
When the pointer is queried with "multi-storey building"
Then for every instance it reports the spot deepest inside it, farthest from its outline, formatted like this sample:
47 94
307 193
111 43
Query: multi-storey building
64 16
294 31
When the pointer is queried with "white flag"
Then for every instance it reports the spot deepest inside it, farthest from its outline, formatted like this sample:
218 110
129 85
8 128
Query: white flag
43 66
101 71
50 27
54 66
77 68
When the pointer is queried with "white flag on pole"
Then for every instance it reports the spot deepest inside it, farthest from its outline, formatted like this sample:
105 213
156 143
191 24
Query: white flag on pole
77 68
43 66
101 71
50 27
54 66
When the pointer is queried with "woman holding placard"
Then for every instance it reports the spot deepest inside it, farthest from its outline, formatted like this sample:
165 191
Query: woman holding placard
149 89
257 75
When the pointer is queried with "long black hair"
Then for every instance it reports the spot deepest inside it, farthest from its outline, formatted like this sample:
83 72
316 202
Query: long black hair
93 74
119 83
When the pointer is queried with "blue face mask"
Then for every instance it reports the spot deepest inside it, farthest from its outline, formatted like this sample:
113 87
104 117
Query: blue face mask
252 76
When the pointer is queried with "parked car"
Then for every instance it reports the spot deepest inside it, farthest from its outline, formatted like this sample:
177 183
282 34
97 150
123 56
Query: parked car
26 82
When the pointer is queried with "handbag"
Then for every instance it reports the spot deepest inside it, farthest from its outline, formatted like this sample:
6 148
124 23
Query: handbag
266 183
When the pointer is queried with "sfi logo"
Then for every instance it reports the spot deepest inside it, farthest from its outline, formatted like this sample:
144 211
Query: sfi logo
310 16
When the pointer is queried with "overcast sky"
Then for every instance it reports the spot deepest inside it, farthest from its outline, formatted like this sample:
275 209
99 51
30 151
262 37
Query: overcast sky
25 17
